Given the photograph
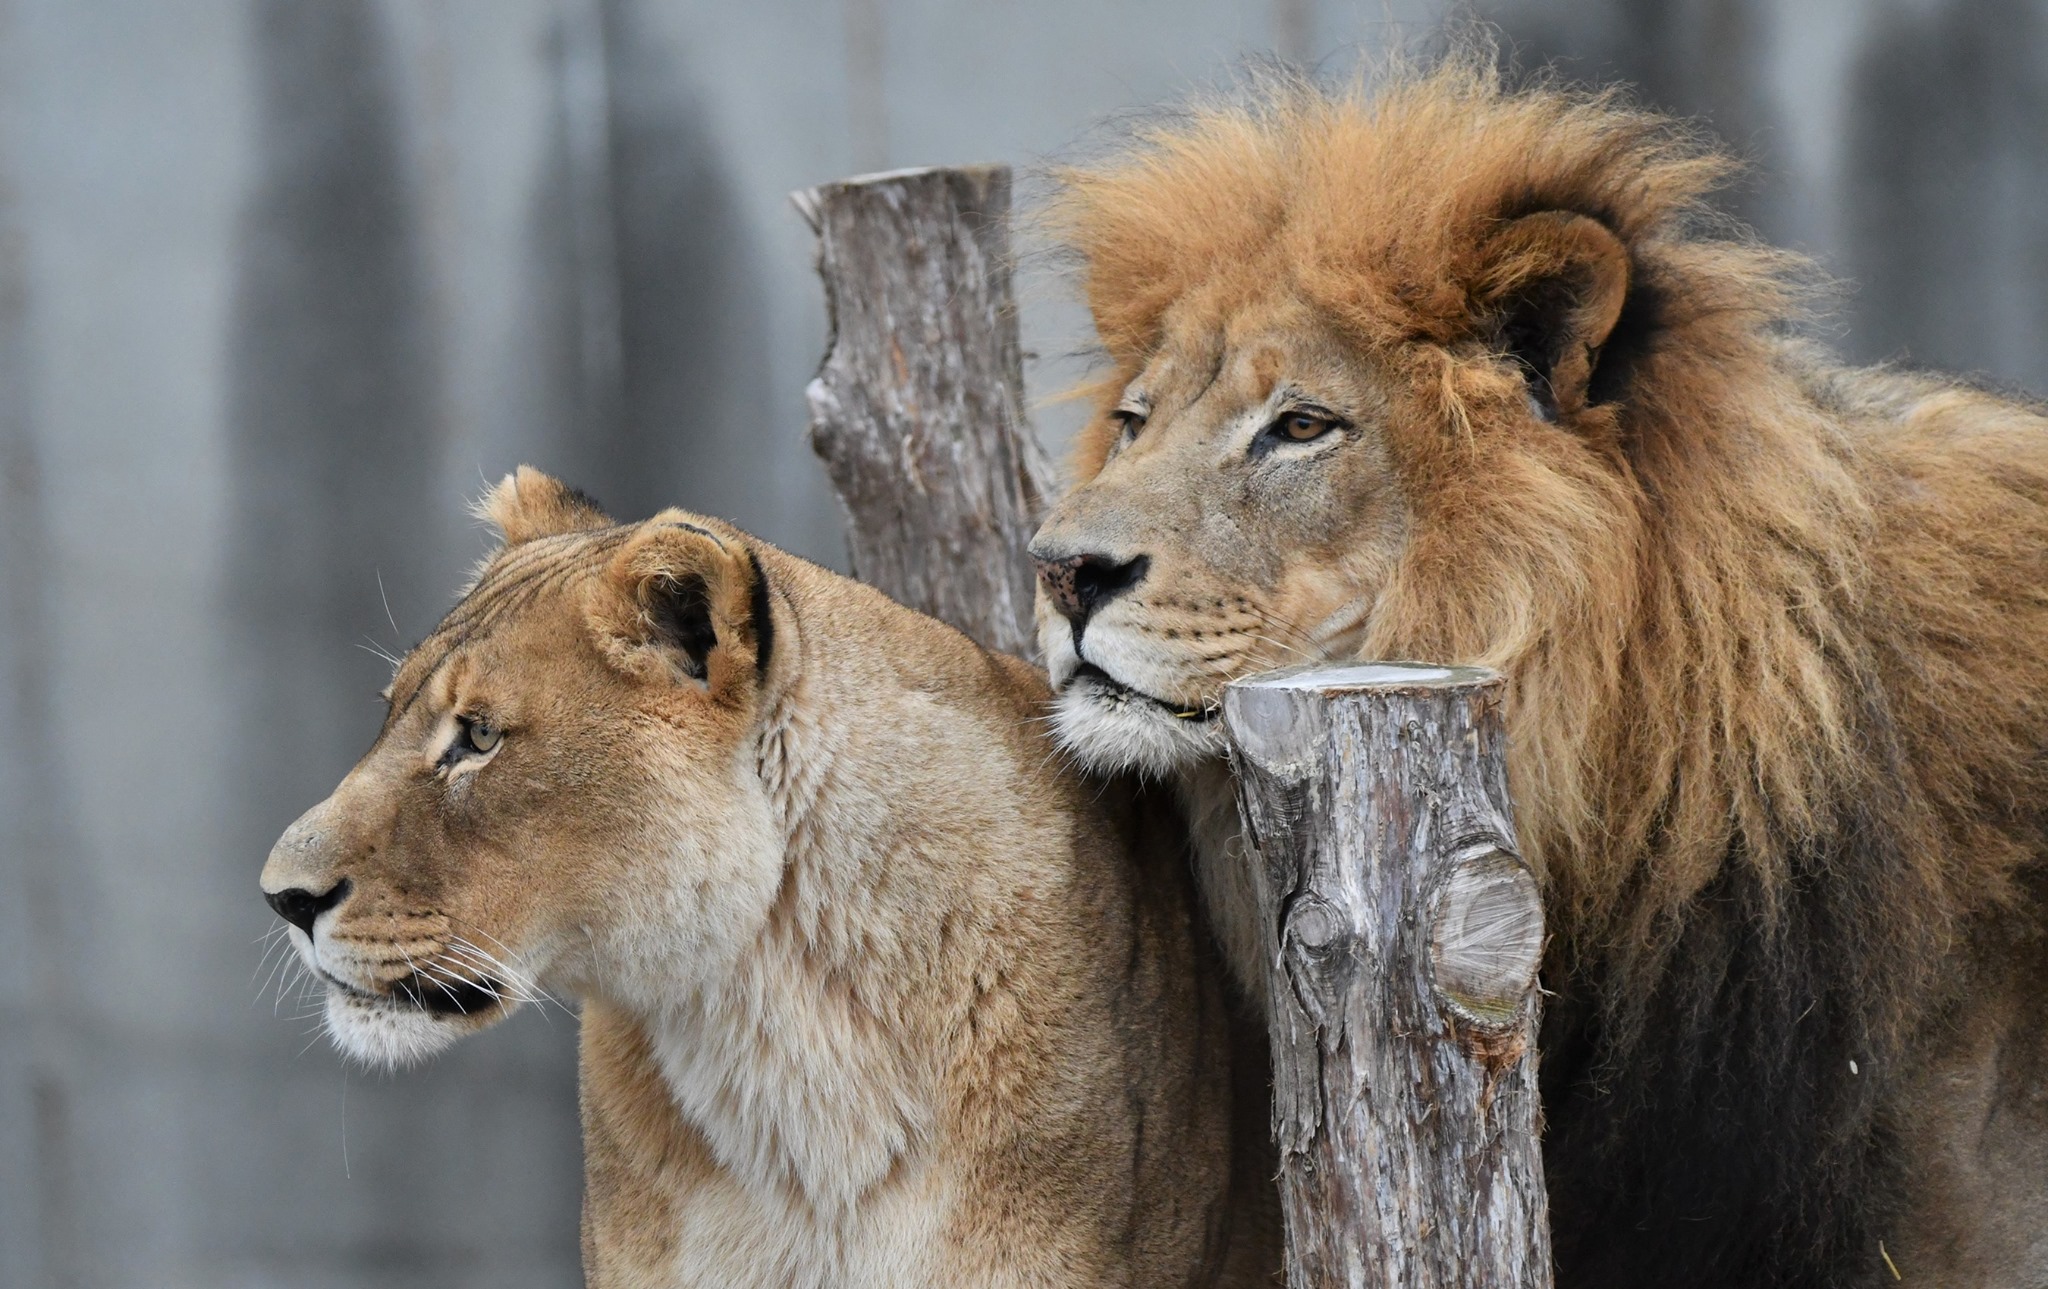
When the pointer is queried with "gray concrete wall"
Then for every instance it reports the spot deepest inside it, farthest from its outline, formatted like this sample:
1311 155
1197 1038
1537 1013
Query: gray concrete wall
282 282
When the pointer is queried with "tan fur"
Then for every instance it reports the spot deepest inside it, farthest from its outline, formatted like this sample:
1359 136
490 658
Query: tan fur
1750 601
875 992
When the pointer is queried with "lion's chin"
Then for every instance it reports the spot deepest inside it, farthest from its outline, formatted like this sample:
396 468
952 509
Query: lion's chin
387 1034
1111 733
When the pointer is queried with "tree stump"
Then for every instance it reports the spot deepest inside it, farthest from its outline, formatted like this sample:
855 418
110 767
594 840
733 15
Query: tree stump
918 408
1406 933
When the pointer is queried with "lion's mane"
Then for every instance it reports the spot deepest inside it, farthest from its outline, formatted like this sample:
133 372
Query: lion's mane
1775 630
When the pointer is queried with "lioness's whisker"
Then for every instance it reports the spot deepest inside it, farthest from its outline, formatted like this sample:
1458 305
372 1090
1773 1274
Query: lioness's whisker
499 980
496 990
471 956
448 981
525 980
499 985
271 965
381 652
480 931
310 990
447 987
406 954
281 978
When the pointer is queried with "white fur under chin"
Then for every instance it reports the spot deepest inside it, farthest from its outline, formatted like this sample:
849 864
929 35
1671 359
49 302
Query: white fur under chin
385 1035
1108 734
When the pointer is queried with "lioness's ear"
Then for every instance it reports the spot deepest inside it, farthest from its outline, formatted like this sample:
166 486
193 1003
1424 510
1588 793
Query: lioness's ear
681 603
527 504
1552 285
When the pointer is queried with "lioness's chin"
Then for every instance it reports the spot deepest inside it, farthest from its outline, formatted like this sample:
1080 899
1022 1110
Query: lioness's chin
388 1033
1110 734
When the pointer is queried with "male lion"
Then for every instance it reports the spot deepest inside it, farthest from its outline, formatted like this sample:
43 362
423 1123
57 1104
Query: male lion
874 992
1452 372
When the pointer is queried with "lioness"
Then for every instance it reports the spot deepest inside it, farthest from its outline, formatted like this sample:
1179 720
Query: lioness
875 992
1448 371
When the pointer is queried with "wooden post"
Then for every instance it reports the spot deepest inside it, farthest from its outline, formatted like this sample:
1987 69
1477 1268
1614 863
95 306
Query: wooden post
918 409
1403 974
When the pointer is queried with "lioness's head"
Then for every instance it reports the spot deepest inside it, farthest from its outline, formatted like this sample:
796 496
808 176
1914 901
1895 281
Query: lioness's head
1373 359
563 780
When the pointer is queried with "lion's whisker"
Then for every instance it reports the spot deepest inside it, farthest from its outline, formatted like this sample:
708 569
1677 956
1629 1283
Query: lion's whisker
1305 643
1304 654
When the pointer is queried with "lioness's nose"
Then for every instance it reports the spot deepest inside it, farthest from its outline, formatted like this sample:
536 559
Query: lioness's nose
1080 584
302 908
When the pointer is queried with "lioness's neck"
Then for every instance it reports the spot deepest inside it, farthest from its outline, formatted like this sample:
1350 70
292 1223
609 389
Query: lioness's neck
814 1061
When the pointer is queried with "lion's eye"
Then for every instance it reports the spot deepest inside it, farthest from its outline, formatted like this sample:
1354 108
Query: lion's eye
480 734
1128 423
1302 427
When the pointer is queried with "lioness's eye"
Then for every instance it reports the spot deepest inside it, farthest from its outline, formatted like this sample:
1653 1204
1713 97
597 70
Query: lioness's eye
481 735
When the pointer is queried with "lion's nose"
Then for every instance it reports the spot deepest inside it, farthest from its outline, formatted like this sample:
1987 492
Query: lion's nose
302 908
1080 584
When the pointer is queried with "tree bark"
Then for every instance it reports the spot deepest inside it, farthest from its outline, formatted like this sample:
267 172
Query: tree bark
918 409
1406 932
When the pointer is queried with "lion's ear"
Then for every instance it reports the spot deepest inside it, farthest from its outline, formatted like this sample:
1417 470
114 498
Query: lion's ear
527 504
683 604
1552 285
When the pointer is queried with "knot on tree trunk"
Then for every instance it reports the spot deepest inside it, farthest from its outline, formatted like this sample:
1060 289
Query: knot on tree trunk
1407 932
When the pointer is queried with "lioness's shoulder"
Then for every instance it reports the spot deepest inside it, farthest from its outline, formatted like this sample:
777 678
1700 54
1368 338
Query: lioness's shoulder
950 660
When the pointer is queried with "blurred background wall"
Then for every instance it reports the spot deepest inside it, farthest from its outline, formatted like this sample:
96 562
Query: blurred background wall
284 282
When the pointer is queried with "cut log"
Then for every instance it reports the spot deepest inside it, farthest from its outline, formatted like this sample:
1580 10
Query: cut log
918 408
1406 933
